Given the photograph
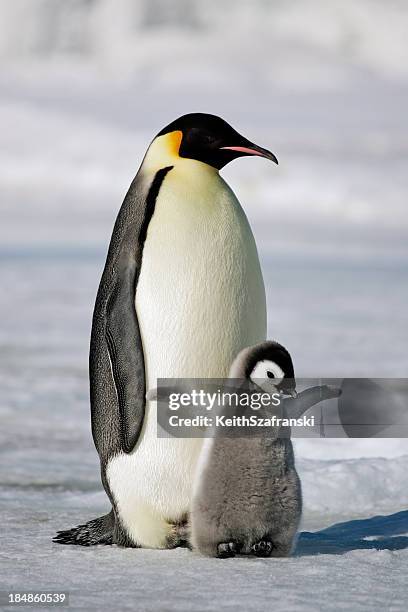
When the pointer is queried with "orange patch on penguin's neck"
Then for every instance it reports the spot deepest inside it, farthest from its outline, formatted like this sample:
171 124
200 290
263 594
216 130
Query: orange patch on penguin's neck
173 142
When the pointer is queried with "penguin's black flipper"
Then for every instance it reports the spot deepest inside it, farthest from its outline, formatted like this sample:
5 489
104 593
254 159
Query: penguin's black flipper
125 351
97 531
116 359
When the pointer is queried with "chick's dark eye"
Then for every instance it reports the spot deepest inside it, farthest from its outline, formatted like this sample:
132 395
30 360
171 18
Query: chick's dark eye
270 374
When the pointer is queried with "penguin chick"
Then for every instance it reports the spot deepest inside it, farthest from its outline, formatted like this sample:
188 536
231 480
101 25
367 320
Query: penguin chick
247 496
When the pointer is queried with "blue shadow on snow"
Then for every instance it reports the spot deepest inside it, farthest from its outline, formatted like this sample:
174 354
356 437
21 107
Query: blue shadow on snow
378 532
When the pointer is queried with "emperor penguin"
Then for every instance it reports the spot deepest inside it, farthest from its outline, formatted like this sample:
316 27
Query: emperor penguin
247 495
181 294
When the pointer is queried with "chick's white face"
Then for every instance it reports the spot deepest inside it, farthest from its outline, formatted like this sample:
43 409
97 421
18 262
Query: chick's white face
267 375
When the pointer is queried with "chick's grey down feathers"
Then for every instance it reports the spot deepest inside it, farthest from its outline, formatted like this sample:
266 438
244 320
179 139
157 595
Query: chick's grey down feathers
249 492
248 497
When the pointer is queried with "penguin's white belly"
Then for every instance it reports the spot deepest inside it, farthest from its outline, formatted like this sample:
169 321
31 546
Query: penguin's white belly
200 299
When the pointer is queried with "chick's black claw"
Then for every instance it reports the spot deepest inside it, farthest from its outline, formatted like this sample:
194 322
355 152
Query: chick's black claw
263 548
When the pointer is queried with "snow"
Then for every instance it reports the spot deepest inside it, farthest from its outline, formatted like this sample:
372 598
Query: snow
83 87
331 570
50 474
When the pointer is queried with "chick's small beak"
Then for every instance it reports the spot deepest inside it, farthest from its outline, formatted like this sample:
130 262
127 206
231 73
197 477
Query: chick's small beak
252 149
289 391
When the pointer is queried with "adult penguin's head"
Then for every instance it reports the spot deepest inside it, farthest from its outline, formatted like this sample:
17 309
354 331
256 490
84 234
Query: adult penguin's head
211 140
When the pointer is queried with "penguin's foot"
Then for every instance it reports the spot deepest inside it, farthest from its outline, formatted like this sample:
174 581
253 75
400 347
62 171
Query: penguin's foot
226 549
179 534
263 548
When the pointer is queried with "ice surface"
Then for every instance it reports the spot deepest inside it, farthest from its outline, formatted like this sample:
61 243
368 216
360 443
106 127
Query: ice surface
50 475
110 578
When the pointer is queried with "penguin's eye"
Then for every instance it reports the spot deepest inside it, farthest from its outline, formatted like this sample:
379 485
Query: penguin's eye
206 139
267 370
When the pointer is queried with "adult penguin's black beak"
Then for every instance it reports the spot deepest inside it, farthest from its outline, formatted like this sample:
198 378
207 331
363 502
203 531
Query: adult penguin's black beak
248 148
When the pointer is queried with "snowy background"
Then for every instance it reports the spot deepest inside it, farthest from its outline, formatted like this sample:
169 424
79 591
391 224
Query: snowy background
84 85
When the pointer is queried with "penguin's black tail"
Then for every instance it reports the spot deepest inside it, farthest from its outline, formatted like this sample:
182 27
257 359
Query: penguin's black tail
97 531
